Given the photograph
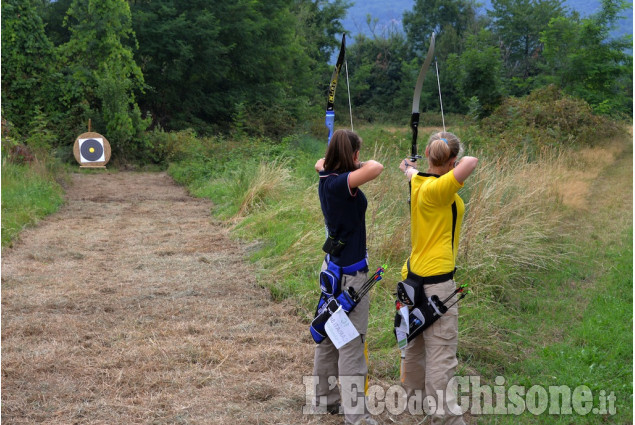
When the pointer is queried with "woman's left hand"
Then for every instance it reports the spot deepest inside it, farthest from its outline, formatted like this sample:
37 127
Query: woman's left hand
406 164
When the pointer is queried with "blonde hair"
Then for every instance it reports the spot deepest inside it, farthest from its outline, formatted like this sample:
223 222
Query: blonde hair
441 147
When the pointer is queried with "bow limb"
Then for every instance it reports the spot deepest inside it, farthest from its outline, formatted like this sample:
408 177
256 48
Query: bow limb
330 112
414 118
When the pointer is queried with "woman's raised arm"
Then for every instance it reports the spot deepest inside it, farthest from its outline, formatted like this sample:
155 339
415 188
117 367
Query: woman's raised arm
367 171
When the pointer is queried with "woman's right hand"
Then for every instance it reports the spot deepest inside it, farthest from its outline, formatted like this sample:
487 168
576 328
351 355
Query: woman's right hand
319 165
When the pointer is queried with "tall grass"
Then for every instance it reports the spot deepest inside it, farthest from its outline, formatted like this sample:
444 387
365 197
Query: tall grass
269 183
29 192
512 219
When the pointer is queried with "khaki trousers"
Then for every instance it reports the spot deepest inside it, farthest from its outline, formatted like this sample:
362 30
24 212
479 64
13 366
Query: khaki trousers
349 364
429 362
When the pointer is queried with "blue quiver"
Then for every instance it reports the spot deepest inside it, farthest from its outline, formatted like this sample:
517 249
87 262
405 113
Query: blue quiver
330 285
330 299
332 296
347 302
331 280
325 308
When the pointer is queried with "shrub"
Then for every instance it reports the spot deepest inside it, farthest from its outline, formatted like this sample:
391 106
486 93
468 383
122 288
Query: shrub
546 117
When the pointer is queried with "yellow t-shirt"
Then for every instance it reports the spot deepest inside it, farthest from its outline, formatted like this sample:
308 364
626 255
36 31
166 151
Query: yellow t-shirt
436 216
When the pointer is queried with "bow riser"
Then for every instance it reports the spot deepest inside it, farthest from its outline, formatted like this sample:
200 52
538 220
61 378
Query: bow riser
414 125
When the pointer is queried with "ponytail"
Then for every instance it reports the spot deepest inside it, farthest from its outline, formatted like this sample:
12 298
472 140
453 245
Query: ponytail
441 147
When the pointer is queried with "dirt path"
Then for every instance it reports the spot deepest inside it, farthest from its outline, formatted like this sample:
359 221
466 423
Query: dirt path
130 306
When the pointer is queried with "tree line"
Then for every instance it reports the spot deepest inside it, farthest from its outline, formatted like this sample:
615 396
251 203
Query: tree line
262 67
514 48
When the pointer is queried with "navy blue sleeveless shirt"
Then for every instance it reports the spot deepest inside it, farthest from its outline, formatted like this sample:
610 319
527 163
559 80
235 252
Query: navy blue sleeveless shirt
344 211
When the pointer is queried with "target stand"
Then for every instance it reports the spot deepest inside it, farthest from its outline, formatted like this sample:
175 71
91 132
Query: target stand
91 150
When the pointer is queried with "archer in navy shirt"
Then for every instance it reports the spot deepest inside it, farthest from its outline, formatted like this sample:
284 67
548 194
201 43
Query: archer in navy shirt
344 210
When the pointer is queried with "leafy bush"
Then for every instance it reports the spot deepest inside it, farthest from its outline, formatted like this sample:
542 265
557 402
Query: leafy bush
41 139
545 118
172 146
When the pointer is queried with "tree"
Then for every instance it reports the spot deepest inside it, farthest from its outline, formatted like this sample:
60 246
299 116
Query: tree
319 31
517 24
320 26
455 17
582 59
101 74
53 13
183 61
28 65
267 60
477 74
453 22
378 82
209 63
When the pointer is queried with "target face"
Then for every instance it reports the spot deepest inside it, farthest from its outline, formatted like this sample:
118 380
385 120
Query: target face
91 150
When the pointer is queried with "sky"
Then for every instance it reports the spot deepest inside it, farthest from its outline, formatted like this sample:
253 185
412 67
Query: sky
389 13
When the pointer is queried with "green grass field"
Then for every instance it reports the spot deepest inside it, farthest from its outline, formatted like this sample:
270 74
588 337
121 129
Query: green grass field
28 194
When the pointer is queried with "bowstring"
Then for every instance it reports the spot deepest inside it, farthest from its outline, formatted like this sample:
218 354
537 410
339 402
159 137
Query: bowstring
348 87
436 65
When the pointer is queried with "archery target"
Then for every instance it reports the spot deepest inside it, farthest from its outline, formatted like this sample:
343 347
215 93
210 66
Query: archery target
91 150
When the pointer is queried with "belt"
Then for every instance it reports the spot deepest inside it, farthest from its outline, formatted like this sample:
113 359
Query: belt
353 268
429 280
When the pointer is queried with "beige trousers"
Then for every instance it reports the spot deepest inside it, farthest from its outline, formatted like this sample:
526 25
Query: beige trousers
349 364
429 362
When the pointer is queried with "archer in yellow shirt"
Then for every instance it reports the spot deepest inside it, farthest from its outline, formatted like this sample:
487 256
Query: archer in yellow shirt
429 360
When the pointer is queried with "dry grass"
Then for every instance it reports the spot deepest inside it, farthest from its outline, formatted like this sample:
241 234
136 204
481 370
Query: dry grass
269 182
388 218
582 170
129 306
512 217
519 215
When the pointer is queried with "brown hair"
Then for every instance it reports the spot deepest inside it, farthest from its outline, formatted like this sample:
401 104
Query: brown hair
441 147
340 152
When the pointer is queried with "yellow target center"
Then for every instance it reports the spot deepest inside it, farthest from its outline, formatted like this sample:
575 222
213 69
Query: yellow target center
91 150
